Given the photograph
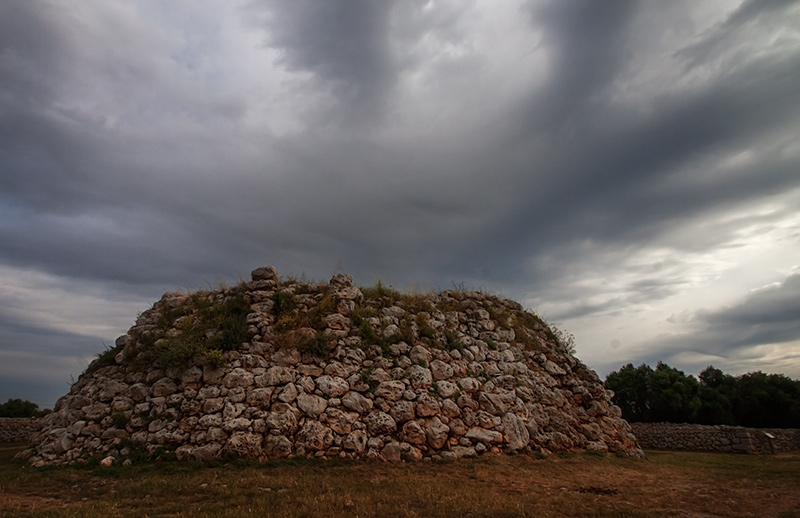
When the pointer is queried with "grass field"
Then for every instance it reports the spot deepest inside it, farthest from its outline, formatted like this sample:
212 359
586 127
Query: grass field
663 484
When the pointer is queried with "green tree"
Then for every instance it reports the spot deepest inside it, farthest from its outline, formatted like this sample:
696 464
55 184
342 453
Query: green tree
767 401
18 408
651 395
717 391
631 394
673 395
667 394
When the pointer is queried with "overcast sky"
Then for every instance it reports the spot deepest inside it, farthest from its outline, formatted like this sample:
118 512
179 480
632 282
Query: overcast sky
629 170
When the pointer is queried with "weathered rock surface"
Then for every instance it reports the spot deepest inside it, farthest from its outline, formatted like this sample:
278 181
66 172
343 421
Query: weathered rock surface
271 369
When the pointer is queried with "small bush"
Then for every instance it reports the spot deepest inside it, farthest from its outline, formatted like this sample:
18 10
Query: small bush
286 323
214 358
452 341
563 338
193 329
173 352
104 359
320 345
119 420
362 313
368 380
426 330
315 317
282 302
230 321
385 295
367 332
406 332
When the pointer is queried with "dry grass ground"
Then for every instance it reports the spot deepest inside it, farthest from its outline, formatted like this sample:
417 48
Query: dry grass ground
664 484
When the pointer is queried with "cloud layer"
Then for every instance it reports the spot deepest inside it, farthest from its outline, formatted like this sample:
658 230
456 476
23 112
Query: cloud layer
629 170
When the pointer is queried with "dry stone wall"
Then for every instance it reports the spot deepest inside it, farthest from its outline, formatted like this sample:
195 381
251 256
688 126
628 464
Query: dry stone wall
15 429
333 371
729 439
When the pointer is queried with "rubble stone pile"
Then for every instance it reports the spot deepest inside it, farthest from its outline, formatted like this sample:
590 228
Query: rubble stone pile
273 368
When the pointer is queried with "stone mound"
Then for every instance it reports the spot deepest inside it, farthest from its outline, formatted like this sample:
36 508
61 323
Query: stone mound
271 369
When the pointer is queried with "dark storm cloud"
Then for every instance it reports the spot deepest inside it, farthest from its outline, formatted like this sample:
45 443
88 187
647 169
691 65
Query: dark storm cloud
768 13
29 44
737 334
82 197
148 147
31 338
626 151
587 43
767 315
362 195
344 43
600 169
37 362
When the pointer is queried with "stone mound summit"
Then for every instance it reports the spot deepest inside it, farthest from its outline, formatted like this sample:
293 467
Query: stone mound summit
275 368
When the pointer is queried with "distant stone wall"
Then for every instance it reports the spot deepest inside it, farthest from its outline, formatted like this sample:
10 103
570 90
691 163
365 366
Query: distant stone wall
18 429
731 439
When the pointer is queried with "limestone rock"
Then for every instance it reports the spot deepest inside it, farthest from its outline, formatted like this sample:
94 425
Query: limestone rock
420 377
281 421
356 402
332 386
446 389
277 446
403 411
286 357
276 376
331 370
244 445
515 432
379 423
356 441
312 405
436 432
265 273
192 376
441 370
484 436
420 355
314 436
260 397
238 378
341 280
206 452
414 432
391 390
163 387
391 452
427 405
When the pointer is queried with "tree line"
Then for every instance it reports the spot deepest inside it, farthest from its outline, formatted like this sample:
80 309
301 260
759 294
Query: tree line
666 394
21 408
